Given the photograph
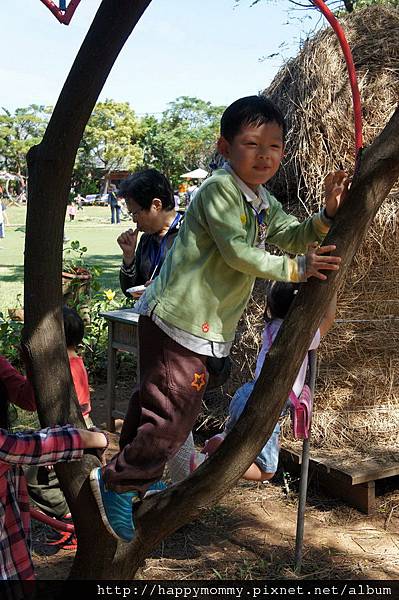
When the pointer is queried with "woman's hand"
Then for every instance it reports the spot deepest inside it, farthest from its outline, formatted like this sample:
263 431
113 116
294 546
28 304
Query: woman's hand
137 295
128 242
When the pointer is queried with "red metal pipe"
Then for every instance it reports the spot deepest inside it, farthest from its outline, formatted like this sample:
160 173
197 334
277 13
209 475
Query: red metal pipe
357 105
54 523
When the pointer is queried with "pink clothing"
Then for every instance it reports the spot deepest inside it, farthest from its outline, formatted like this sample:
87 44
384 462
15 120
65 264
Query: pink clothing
72 210
19 389
273 328
81 383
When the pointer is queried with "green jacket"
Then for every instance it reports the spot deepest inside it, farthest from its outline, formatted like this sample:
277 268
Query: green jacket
207 277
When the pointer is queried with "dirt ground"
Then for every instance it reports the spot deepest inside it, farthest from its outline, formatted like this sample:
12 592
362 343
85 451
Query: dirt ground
251 535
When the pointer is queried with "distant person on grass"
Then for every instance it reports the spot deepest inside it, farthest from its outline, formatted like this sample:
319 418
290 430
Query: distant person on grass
279 298
114 204
192 308
2 223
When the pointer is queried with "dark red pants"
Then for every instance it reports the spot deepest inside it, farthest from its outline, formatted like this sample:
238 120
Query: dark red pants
162 409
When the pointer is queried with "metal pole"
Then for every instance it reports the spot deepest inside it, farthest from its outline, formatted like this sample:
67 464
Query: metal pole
303 485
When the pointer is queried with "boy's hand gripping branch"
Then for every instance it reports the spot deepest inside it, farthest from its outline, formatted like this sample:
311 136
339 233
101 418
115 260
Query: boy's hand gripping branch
335 191
316 261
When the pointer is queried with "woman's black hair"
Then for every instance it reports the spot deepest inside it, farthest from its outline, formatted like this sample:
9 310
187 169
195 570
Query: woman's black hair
144 186
73 326
279 297
251 110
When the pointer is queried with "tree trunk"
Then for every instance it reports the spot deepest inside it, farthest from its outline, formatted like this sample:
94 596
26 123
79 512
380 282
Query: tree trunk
50 168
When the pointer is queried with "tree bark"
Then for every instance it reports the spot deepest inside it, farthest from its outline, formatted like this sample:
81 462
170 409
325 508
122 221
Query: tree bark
50 168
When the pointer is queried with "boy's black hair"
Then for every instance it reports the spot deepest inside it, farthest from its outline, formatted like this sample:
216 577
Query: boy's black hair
144 186
279 297
73 326
251 110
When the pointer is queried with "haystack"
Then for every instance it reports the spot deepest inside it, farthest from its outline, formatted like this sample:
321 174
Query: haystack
357 401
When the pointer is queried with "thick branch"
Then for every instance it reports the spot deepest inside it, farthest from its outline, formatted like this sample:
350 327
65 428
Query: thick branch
50 167
160 516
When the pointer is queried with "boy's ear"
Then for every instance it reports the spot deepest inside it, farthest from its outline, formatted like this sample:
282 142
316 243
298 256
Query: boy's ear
223 147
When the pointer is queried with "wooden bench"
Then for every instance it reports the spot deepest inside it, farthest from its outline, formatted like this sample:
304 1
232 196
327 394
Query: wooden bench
122 335
355 484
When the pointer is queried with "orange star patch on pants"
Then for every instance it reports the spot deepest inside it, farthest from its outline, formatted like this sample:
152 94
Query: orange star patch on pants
199 381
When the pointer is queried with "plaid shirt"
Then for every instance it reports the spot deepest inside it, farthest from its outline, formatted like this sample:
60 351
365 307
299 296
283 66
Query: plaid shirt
44 447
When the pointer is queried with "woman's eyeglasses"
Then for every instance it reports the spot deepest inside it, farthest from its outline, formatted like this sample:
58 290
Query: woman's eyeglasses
134 213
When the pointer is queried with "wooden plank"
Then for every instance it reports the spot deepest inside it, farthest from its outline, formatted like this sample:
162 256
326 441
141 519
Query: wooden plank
335 483
125 333
111 380
371 470
368 470
123 315
361 496
295 457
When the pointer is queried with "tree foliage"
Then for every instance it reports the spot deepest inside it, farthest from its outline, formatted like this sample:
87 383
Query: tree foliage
19 130
110 138
183 139
116 139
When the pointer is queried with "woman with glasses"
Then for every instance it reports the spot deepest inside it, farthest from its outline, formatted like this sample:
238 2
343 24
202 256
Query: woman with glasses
150 202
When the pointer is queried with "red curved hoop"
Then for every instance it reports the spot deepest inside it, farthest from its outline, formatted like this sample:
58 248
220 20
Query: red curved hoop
63 17
54 523
357 105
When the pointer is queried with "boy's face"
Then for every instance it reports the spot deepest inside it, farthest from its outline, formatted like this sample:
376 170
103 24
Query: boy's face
255 153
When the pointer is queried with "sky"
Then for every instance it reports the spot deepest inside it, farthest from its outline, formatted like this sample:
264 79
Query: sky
210 49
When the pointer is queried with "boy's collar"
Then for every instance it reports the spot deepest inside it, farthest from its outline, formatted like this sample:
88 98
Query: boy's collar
259 199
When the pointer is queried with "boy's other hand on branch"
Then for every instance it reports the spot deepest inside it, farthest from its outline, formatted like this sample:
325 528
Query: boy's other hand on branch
316 262
335 190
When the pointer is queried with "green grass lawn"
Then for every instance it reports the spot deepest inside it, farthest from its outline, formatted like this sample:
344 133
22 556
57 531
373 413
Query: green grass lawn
91 227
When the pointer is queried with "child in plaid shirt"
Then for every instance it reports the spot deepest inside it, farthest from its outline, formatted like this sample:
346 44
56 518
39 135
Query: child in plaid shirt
44 447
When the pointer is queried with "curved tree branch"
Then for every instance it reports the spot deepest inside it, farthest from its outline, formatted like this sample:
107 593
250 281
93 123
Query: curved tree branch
50 167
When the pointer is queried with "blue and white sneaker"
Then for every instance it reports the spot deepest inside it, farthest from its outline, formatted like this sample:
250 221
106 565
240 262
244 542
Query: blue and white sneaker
116 509
158 486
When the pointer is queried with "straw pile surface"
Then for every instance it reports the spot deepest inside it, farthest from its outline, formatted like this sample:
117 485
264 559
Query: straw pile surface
357 400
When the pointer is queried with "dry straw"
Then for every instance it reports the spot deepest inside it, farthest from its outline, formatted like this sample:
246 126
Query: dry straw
357 400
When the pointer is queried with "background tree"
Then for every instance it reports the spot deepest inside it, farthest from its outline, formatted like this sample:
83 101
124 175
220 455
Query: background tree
110 139
18 132
183 139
